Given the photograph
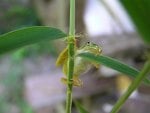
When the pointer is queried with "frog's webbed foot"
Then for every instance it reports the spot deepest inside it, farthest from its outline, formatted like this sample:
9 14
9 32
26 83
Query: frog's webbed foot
76 82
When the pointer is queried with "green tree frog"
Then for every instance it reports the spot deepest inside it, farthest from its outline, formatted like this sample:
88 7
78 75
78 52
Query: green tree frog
80 65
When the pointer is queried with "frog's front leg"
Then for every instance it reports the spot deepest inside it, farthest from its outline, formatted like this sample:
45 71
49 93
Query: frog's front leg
96 65
76 81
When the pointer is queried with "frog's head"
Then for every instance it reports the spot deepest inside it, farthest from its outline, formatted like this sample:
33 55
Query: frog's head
92 48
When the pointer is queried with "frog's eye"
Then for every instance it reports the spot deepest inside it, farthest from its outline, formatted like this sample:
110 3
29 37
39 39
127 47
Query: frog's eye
88 43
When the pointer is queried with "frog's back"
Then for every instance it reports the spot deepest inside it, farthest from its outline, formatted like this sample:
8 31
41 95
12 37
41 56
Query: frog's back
62 57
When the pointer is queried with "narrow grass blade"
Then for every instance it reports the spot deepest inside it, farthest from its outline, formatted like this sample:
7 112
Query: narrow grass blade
114 64
134 85
80 108
26 36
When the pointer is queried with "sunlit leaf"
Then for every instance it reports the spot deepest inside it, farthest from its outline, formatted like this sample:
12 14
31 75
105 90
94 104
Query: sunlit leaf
29 35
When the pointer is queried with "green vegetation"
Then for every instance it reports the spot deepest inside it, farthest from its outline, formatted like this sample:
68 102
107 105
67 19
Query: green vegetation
31 35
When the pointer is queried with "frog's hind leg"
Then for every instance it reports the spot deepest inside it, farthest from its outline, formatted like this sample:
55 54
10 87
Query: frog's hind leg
76 81
64 80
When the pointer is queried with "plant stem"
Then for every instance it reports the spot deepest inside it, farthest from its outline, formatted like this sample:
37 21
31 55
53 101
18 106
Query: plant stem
72 18
132 87
70 65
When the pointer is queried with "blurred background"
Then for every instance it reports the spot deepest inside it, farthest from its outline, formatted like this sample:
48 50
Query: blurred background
29 79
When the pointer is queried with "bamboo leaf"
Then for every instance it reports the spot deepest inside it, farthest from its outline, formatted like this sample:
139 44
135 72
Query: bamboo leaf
139 11
26 36
114 64
80 108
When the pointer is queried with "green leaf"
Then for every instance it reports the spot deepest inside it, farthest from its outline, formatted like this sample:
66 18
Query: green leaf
26 36
139 11
80 108
114 64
